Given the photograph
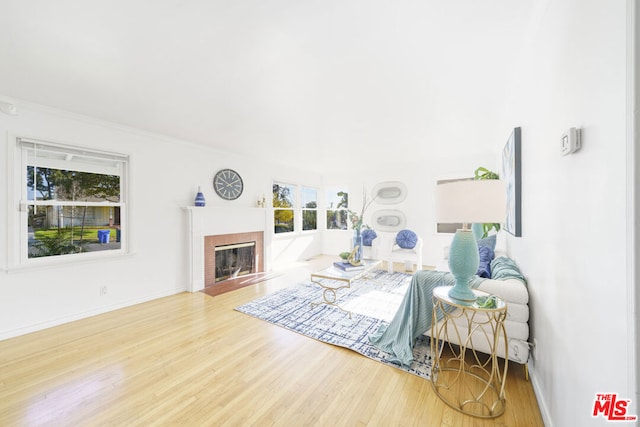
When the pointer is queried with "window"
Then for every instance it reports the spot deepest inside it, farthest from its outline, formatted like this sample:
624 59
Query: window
337 206
283 207
309 209
72 199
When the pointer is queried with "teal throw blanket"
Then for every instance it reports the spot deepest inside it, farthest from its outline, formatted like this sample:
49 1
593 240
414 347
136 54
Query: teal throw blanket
505 268
413 317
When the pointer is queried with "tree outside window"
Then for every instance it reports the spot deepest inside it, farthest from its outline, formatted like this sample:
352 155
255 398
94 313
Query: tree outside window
337 209
309 209
61 221
283 207
73 197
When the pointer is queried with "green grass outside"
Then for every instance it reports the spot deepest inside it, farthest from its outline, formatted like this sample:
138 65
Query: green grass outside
89 233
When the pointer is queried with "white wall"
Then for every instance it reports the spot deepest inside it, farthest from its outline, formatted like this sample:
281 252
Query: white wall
572 248
420 176
165 177
572 73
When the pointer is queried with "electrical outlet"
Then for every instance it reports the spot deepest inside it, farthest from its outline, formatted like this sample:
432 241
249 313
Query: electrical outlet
103 290
534 350
571 141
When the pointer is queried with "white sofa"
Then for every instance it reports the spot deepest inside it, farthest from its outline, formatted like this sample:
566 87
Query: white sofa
514 292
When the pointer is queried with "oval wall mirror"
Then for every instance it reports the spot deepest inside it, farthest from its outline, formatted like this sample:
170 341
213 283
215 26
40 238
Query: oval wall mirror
389 192
389 220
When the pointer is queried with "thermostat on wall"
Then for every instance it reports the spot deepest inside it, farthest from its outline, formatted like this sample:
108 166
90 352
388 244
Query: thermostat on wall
571 141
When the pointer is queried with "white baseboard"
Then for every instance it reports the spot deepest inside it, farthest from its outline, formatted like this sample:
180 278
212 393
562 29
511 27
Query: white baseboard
82 315
537 390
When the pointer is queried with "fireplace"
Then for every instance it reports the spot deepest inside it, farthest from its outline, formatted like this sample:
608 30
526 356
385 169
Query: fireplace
234 260
229 256
223 225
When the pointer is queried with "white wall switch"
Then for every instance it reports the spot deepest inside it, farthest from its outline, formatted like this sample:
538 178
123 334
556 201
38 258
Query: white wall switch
571 141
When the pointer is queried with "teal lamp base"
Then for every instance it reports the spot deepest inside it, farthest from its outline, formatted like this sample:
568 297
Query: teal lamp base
478 230
463 263
462 293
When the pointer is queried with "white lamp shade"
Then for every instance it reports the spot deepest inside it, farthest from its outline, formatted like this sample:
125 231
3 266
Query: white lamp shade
471 201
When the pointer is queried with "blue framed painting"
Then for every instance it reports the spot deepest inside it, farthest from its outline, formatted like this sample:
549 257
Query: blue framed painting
512 174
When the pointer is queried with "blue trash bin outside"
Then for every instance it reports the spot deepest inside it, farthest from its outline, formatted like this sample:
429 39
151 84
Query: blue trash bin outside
103 236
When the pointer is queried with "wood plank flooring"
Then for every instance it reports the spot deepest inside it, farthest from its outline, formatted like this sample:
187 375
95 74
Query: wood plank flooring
191 360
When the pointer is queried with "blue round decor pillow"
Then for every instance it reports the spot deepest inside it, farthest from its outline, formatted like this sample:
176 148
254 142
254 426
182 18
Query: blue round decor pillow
406 239
367 236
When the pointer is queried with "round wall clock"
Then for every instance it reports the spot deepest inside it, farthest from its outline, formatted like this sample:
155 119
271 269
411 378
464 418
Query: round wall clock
228 184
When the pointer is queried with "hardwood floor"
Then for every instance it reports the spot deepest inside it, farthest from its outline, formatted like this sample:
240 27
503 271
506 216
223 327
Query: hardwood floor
190 359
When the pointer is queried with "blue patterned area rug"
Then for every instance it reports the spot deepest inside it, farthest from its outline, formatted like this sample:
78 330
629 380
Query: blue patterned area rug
371 301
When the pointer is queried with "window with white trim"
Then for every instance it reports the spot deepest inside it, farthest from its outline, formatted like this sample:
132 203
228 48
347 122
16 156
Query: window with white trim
337 208
72 200
284 203
309 209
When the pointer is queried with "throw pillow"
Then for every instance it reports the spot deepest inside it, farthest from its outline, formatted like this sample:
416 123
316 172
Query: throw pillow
484 267
406 239
367 236
489 241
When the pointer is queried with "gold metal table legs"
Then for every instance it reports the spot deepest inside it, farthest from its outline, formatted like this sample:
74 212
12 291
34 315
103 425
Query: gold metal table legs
330 296
466 379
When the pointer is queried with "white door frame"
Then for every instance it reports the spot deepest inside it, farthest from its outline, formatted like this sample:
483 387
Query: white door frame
633 201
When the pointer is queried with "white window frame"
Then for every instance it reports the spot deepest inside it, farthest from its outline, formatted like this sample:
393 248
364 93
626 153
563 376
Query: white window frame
94 160
303 208
345 210
295 208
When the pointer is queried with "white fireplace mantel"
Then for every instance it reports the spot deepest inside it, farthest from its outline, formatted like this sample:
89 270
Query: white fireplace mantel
212 221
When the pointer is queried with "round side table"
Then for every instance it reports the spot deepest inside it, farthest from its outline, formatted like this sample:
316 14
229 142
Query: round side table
465 379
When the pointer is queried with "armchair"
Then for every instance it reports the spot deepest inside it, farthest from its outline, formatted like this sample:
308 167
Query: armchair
404 246
368 237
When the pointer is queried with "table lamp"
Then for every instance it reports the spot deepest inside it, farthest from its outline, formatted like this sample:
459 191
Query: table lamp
468 201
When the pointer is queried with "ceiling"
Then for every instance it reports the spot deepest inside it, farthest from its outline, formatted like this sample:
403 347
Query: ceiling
314 82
